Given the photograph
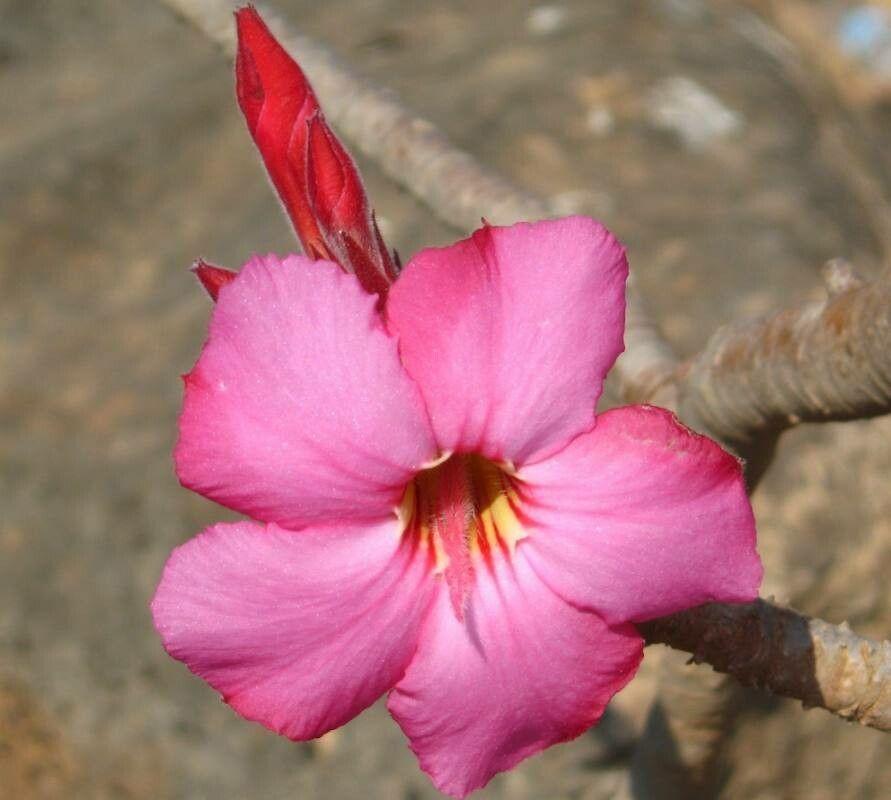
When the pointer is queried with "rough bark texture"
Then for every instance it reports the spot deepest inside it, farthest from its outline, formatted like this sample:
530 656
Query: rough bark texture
818 362
770 647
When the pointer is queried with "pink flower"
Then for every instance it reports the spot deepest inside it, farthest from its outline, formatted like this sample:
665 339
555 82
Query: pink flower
436 511
439 512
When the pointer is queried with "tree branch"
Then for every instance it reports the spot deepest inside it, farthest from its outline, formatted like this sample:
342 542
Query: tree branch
774 648
818 362
767 647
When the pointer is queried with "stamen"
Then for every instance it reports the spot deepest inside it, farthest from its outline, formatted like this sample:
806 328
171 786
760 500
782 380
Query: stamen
451 525
463 508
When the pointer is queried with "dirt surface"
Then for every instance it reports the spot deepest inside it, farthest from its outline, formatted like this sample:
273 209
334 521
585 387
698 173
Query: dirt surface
123 157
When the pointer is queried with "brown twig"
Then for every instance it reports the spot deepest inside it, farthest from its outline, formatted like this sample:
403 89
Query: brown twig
459 191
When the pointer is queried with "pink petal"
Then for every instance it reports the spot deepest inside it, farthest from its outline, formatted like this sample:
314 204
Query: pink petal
298 410
510 333
524 671
641 517
297 631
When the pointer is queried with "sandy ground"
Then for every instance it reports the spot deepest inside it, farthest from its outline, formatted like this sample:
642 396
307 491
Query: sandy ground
123 157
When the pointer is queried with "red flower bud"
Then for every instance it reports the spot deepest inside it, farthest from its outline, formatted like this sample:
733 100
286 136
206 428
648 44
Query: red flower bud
337 199
312 172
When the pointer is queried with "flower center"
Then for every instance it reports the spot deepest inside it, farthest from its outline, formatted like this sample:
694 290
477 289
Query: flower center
463 509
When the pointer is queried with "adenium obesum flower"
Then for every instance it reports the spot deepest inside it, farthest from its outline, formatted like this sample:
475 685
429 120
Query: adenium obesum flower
435 510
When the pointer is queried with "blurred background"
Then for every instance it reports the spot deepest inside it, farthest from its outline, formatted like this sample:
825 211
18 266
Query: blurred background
734 147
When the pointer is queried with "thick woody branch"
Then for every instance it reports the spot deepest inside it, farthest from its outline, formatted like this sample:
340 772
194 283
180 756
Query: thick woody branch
774 648
818 362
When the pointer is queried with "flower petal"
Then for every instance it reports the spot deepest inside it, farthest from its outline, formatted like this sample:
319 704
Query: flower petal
524 671
298 631
298 410
510 333
641 517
